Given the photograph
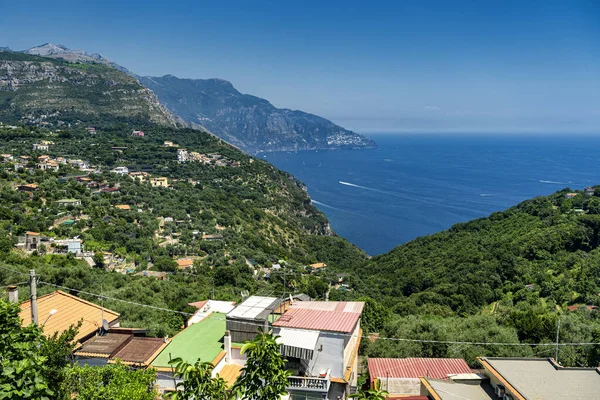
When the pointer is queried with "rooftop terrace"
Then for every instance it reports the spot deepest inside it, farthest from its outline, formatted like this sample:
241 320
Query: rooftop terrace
203 340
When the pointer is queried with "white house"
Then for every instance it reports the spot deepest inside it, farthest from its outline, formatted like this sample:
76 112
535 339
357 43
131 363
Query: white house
40 147
320 341
120 170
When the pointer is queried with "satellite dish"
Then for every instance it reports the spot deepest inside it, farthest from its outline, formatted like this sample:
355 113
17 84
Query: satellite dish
104 328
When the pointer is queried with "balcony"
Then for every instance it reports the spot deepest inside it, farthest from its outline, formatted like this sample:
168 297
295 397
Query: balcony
309 383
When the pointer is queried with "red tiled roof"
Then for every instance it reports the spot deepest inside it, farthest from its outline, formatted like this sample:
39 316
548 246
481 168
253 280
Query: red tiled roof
436 368
184 263
577 306
198 304
323 316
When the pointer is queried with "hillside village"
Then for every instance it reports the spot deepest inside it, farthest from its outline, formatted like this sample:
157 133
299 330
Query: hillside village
138 216
320 342
107 216
180 233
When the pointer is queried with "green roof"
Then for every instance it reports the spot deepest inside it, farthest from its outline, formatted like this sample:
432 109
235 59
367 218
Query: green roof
203 340
69 222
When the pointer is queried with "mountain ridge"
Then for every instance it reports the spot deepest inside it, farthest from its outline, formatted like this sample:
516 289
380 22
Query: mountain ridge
60 51
39 90
245 121
248 121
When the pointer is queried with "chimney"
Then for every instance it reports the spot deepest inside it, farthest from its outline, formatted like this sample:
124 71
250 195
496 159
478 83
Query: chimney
13 294
227 346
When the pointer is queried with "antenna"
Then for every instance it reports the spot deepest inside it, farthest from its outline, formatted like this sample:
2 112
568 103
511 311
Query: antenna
557 336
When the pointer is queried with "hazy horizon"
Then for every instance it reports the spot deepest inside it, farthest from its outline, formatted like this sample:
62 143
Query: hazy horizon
411 66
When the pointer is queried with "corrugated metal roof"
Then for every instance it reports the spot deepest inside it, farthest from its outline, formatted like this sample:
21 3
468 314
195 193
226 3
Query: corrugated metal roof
69 310
437 368
252 307
323 316
298 338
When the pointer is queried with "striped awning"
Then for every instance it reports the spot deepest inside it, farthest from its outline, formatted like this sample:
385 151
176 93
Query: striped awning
297 343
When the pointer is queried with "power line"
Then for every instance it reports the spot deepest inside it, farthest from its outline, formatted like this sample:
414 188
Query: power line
14 271
115 299
449 342
16 284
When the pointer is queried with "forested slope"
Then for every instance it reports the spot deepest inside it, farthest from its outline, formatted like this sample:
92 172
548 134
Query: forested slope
507 278
261 216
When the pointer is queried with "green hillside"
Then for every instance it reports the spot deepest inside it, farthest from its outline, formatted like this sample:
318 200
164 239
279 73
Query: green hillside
505 278
508 278
258 215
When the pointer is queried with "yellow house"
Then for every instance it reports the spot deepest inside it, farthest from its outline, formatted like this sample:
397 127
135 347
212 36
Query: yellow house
141 176
159 182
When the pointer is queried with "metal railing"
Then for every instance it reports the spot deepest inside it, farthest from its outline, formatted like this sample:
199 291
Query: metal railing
309 383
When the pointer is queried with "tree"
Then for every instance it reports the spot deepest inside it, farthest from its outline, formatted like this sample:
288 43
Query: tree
21 362
371 394
98 259
6 243
113 381
374 315
593 205
57 349
164 263
197 382
263 377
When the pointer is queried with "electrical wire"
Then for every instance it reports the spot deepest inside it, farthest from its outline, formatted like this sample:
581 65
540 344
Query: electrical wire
339 334
14 271
100 296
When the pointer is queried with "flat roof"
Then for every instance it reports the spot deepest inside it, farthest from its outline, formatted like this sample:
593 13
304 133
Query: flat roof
203 340
103 346
334 316
450 390
254 307
140 350
542 378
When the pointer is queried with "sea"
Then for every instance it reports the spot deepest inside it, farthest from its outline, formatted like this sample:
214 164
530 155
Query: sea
415 185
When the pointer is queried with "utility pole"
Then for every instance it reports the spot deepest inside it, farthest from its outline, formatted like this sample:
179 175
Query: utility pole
557 333
33 296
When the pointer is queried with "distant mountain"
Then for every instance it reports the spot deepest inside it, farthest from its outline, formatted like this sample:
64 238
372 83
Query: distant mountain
7 49
59 51
249 122
40 89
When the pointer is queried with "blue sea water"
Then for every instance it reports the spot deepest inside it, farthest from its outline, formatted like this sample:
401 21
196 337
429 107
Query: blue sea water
415 185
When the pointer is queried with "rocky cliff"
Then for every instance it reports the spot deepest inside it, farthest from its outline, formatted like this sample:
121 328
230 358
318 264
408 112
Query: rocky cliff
34 89
249 122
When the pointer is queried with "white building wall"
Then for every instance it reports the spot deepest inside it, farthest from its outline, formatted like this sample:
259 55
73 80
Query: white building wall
329 354
408 386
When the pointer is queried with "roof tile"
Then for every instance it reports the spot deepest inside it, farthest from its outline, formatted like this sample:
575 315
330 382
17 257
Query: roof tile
69 310
437 368
324 316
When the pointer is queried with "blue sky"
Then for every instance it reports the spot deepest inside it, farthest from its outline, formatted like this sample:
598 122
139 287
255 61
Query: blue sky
372 66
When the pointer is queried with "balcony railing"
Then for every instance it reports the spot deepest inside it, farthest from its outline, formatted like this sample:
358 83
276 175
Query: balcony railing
309 383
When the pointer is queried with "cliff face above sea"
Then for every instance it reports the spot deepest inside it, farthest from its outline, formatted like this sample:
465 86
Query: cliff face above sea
249 122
